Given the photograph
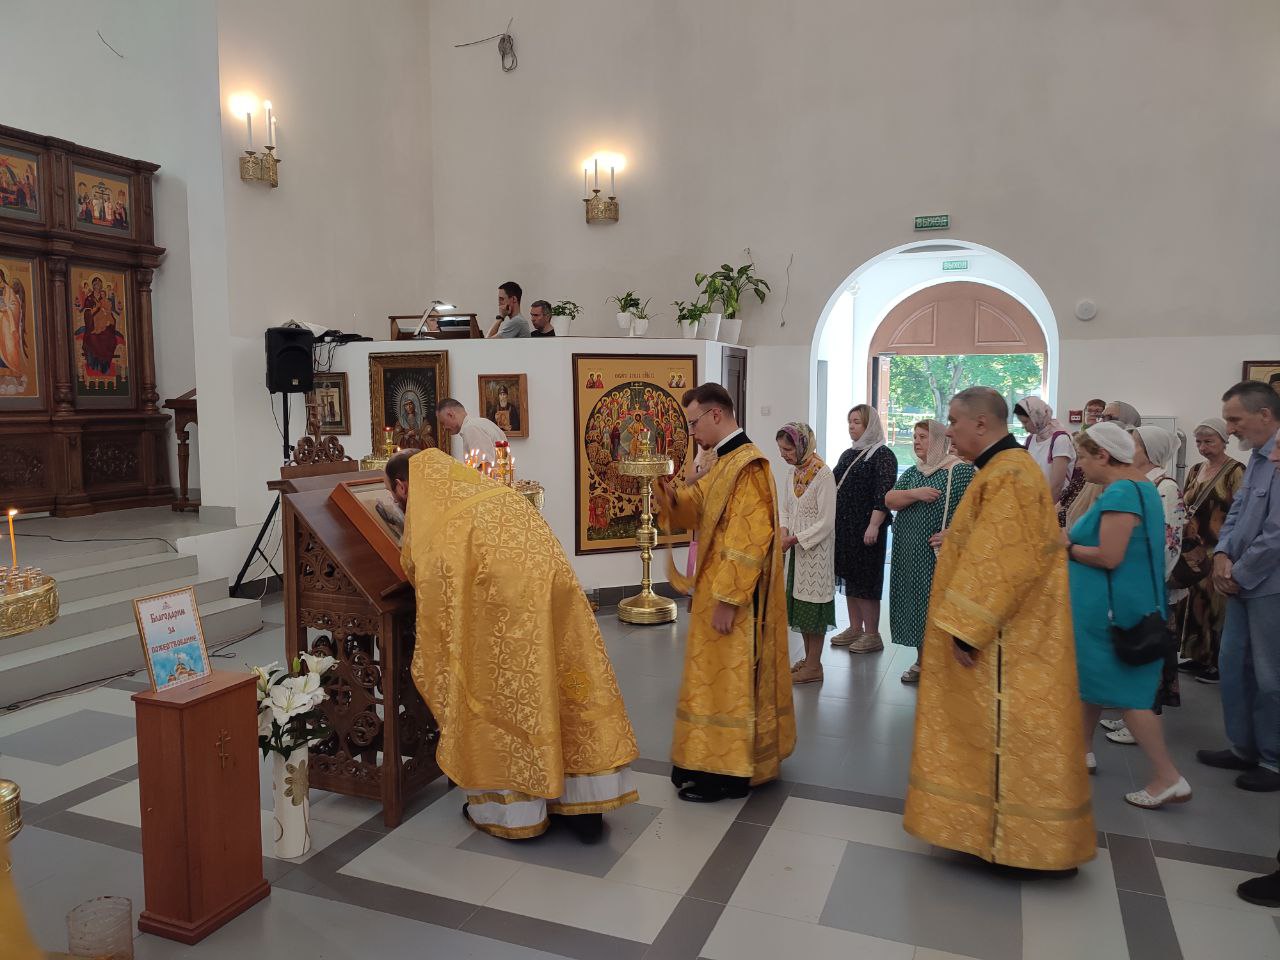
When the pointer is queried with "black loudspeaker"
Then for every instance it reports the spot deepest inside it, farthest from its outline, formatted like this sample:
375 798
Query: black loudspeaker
289 365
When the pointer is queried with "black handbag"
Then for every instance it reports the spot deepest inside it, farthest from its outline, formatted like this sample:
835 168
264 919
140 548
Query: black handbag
1149 639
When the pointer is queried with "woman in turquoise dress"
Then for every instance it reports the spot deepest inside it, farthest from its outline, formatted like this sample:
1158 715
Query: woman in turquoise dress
924 501
1117 568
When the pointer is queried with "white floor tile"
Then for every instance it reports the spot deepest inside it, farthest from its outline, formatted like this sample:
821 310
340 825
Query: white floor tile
790 875
616 909
672 851
120 805
848 823
42 782
433 869
746 935
1212 933
1054 925
1211 886
342 810
441 823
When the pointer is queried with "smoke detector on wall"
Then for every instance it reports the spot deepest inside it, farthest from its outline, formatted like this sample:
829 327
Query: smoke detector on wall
1086 310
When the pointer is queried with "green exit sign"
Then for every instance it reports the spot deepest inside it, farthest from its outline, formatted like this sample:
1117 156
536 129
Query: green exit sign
939 221
955 264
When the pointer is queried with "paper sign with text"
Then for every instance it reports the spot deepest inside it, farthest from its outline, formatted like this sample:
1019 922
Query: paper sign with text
172 640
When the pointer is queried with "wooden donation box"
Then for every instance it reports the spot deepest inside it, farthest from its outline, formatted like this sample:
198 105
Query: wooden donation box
342 599
201 825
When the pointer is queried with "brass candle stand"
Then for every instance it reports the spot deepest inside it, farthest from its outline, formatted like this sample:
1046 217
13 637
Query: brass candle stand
600 210
261 167
28 601
646 607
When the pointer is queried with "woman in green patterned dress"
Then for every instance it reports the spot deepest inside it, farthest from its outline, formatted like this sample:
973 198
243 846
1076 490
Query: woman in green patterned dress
924 501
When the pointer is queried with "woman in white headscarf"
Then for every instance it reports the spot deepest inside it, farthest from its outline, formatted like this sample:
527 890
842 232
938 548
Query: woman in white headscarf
1048 442
1117 577
1211 486
924 501
863 474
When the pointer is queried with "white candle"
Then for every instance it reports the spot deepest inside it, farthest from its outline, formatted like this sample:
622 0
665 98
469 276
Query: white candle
271 130
586 191
612 192
248 127
597 163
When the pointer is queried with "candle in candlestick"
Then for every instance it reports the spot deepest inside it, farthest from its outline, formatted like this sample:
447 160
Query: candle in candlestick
13 542
612 190
597 163
248 130
271 130
586 190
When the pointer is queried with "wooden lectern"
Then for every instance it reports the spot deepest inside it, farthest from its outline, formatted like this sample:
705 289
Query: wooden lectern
343 600
201 825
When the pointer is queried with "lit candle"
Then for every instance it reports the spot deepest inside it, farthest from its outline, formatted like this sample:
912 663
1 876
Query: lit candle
271 130
13 541
597 163
248 127
612 191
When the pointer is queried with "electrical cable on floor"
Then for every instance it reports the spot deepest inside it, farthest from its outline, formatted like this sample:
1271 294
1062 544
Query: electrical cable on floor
44 536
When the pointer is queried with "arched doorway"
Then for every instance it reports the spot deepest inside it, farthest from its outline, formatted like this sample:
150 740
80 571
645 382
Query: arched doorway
991 306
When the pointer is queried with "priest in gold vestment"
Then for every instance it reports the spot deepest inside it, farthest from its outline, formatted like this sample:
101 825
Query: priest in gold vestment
998 769
509 657
15 936
734 720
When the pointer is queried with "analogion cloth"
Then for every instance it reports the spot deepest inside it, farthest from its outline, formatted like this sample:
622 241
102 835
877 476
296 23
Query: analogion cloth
998 766
509 656
734 716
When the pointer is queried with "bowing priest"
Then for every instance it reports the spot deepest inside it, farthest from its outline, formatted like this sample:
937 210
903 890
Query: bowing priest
997 769
512 666
734 721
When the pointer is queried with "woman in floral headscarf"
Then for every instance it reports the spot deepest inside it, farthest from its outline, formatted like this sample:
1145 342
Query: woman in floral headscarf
808 509
924 500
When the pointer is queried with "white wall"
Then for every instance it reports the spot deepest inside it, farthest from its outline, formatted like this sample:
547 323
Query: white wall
157 102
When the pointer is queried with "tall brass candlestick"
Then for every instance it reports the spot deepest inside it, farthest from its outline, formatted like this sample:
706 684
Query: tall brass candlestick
646 606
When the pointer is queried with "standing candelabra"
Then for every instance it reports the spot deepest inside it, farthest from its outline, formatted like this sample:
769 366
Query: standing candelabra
646 606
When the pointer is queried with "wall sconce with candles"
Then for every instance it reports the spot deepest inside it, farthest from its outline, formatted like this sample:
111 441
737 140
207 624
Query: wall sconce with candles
257 167
599 209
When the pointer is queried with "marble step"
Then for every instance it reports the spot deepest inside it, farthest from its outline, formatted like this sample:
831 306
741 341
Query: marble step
78 660
112 576
84 556
115 609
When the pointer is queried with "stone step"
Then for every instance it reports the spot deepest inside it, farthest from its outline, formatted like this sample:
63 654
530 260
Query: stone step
112 576
92 614
31 673
78 557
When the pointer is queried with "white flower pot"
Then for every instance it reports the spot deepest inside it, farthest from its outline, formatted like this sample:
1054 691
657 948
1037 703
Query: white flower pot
561 325
689 330
289 776
709 328
730 329
625 320
639 326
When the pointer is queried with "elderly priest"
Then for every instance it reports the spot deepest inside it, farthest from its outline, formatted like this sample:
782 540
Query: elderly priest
512 666
998 766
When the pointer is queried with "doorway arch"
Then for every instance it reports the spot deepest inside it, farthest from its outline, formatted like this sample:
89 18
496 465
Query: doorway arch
841 351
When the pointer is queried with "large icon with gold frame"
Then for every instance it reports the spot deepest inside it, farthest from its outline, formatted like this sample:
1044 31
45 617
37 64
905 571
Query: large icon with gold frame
20 333
404 389
616 400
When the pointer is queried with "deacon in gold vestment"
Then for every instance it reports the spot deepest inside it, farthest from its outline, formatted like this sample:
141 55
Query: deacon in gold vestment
509 657
734 720
998 765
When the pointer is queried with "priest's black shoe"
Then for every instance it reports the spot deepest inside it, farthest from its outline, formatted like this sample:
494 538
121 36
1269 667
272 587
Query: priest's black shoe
1263 891
587 827
1259 780
710 793
1224 760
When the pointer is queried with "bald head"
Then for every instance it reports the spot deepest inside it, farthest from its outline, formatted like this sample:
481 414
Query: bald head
983 400
978 417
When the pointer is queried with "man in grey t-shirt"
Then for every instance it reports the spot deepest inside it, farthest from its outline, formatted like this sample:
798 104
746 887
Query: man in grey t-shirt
508 323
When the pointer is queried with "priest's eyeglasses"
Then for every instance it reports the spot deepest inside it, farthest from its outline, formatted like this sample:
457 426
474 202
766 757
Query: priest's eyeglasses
694 422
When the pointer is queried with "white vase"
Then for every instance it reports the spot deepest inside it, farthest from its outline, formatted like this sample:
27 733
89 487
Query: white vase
709 328
561 325
639 326
689 330
289 776
625 320
730 329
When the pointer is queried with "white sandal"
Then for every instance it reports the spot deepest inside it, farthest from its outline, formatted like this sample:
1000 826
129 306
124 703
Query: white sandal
1121 735
1108 724
1180 792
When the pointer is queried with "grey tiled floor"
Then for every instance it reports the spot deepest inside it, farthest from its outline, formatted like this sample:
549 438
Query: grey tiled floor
816 865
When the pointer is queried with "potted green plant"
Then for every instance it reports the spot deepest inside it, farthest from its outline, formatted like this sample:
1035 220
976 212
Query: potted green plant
563 315
633 315
725 287
690 316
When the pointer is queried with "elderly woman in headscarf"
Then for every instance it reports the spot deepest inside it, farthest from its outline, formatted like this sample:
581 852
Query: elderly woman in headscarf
924 501
808 514
1048 443
863 474
1211 486
1127 417
1117 577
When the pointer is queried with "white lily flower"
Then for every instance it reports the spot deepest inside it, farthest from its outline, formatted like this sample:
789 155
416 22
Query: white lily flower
263 675
264 722
293 696
318 665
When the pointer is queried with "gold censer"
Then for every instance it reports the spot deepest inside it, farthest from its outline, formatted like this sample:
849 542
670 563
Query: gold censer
646 606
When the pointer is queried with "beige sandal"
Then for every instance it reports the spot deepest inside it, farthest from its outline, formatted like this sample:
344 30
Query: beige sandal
911 674
807 675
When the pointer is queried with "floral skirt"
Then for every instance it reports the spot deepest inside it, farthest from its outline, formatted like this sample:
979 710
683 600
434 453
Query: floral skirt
805 616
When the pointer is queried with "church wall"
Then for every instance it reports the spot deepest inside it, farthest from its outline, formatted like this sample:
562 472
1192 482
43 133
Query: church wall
154 98
1120 153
